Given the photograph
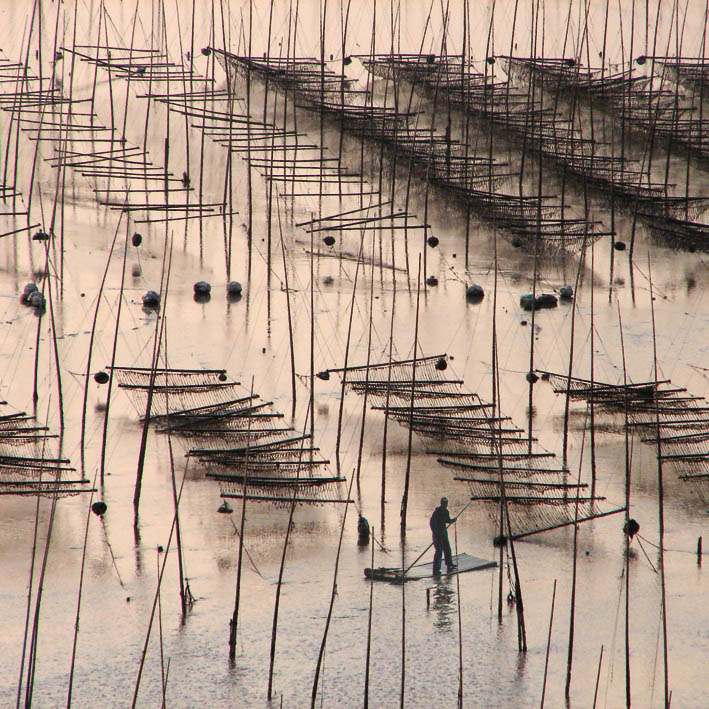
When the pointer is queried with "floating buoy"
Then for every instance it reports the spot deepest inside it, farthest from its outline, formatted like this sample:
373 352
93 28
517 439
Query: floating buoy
631 528
136 239
432 241
347 61
328 280
545 377
641 59
36 300
99 508
566 292
101 377
526 301
545 300
234 288
27 292
222 377
151 299
202 288
441 364
136 271
692 248
185 179
160 549
329 240
490 60
531 377
40 236
431 281
516 242
206 51
225 508
474 293
619 246
324 375
523 323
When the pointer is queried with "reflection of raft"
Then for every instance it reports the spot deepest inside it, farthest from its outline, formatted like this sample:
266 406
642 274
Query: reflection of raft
465 562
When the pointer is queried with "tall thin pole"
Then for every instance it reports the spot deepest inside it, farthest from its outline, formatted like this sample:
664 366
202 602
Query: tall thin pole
290 317
104 436
627 519
405 496
279 584
660 496
154 364
235 615
546 659
369 632
333 594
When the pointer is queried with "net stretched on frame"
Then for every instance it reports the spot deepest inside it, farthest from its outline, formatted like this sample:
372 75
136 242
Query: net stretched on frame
28 461
486 451
677 425
235 435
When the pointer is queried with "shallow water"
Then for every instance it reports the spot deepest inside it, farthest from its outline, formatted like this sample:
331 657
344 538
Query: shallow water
250 339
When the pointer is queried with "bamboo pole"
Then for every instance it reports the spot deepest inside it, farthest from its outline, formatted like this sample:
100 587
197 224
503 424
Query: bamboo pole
546 658
274 627
332 602
402 688
104 436
627 519
34 639
155 600
347 354
157 339
78 600
28 608
460 631
369 632
405 496
290 317
178 535
660 501
87 374
233 624
386 404
598 677
572 603
365 397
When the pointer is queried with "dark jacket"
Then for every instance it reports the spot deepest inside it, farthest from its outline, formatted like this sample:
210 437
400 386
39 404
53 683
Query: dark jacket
440 519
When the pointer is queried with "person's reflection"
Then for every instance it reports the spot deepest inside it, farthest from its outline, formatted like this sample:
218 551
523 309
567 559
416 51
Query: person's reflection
443 595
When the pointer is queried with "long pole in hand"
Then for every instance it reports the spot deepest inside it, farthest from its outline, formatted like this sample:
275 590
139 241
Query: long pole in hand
455 519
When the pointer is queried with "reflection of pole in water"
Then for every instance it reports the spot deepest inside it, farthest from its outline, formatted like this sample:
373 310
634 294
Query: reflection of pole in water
369 632
460 629
274 628
546 659
333 593
235 614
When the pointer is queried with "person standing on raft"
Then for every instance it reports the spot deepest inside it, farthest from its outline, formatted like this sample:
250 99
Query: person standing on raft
440 519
